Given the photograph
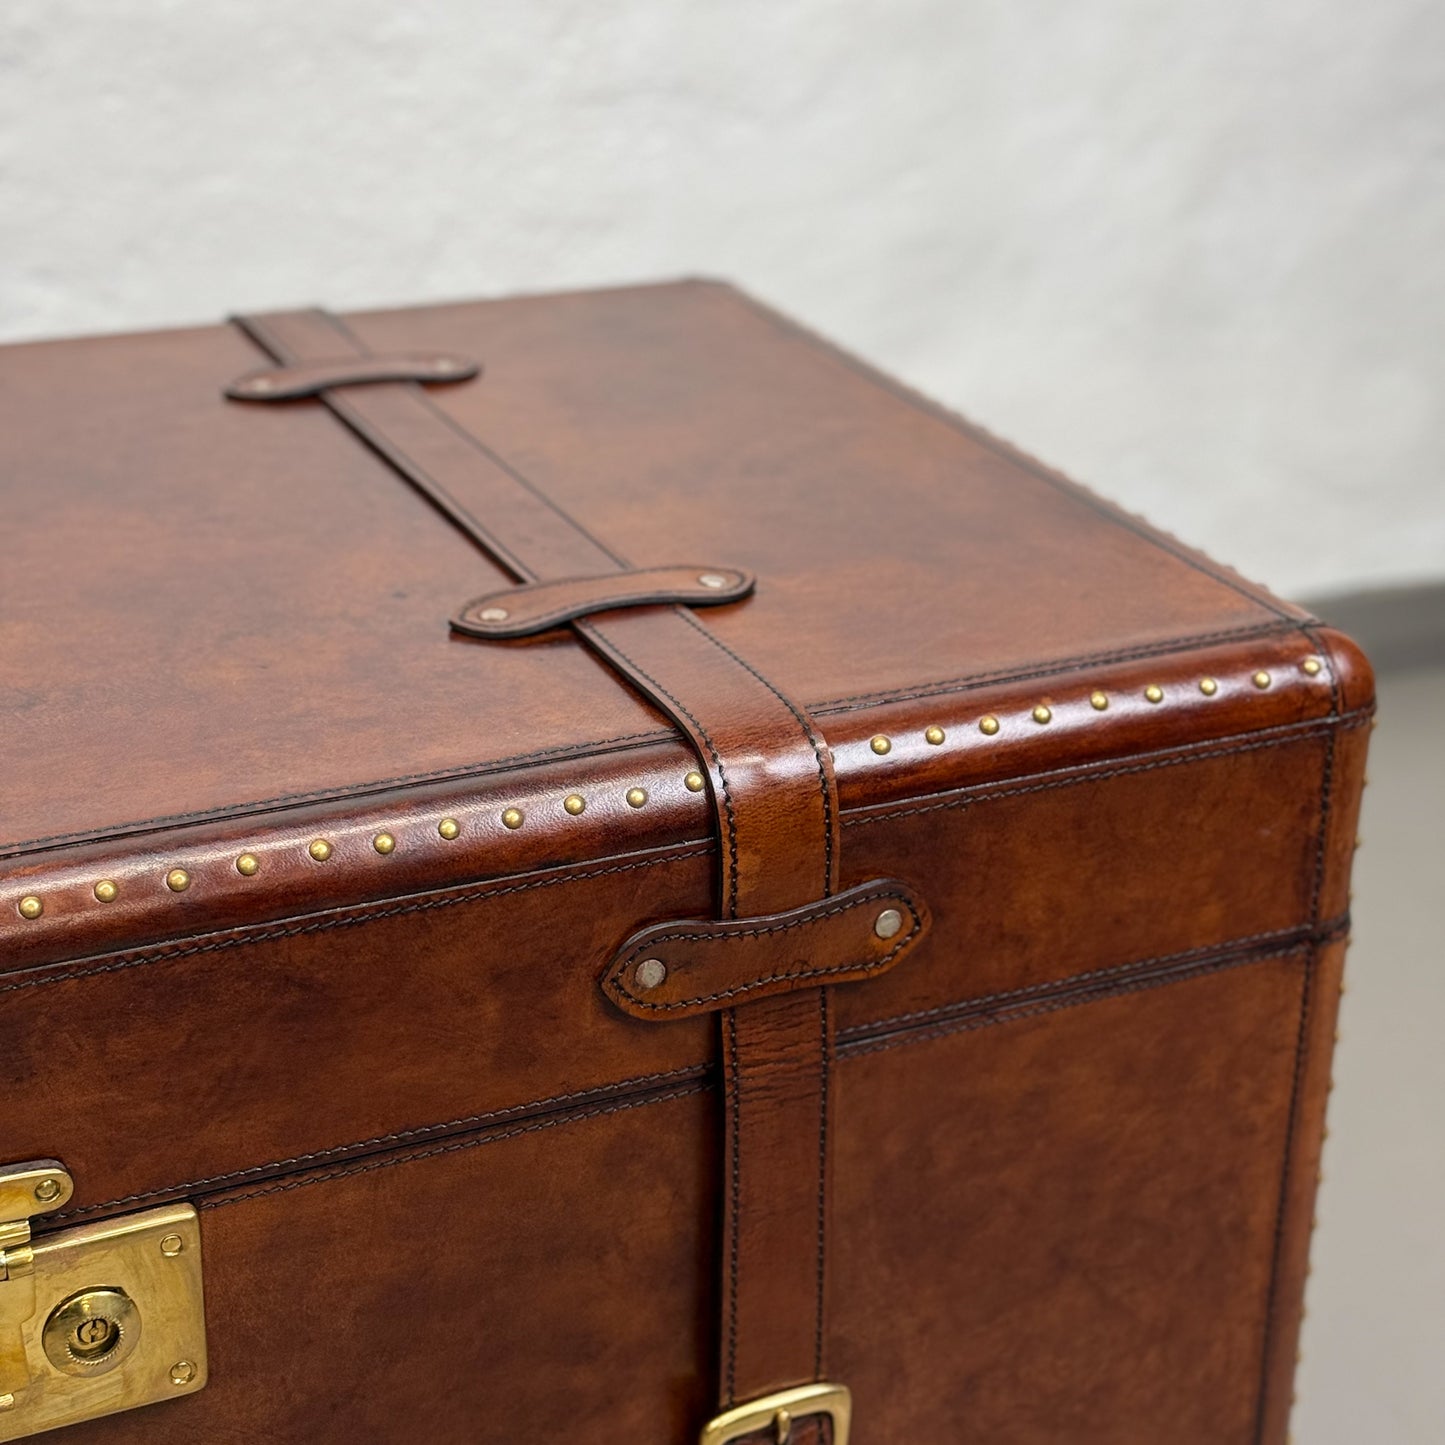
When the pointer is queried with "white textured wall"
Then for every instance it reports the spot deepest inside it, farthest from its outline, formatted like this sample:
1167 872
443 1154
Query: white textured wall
1191 252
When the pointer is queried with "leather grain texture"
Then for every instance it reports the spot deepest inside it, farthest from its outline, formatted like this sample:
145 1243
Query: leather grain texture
1053 1173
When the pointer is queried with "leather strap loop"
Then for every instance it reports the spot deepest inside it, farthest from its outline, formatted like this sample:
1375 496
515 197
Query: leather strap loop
288 383
540 606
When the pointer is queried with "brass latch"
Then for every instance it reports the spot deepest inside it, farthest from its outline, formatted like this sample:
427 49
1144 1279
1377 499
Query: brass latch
95 1319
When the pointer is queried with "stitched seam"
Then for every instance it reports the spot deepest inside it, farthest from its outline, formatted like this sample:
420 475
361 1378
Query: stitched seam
1047 1006
731 882
860 970
824 1067
401 1136
735 1201
350 920
813 741
454 1147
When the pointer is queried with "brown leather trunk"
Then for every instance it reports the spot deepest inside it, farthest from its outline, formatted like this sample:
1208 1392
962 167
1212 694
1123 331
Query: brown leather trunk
656 875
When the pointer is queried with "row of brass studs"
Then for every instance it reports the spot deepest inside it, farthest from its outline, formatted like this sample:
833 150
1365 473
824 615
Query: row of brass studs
1043 714
321 849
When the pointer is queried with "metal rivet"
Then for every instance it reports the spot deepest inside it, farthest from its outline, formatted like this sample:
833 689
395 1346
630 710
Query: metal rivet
248 865
636 797
48 1191
449 828
934 735
1311 665
31 907
262 383
713 580
319 849
694 782
1042 713
650 972
1154 693
1261 679
1098 701
7 1402
575 803
447 363
172 1245
988 725
881 745
106 891
178 880
182 1372
384 843
513 818
888 923
1208 686
494 614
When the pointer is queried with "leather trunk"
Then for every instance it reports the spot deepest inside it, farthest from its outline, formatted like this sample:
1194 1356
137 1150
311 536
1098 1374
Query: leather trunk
995 850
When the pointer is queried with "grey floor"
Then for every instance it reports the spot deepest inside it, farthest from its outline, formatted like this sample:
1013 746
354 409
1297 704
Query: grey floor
1373 1371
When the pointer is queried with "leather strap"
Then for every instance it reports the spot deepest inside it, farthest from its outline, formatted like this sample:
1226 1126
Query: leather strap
288 383
770 777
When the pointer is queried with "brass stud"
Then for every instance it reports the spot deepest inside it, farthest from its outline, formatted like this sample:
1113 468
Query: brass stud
1042 713
494 614
248 865
934 735
1359 842
449 828
650 973
47 1191
694 781
1311 666
384 843
1154 693
182 1372
988 725
1098 701
31 907
575 804
106 891
319 849
1261 679
178 880
172 1245
513 818
881 745
636 797
1208 686
887 924
713 581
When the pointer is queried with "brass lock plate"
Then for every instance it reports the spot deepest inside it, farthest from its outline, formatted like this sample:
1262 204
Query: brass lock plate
99 1318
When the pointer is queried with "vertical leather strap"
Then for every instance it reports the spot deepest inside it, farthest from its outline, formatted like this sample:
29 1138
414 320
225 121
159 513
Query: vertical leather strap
771 782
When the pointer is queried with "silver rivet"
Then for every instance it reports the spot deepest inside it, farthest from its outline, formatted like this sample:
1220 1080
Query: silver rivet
713 580
494 614
888 923
447 363
650 972
263 383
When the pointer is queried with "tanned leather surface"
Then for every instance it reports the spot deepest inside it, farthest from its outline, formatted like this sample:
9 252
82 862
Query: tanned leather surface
447 1188
522 611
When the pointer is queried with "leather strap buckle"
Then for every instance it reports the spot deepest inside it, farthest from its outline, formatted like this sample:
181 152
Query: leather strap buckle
778 1413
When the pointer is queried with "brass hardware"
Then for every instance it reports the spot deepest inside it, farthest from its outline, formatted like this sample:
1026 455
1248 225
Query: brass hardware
1261 679
513 818
934 735
97 1318
449 828
105 891
779 1411
887 924
636 797
31 906
575 804
319 849
1042 713
711 579
1311 666
881 745
494 614
988 725
694 781
1208 686
1154 693
248 865
1098 701
178 880
384 843
650 973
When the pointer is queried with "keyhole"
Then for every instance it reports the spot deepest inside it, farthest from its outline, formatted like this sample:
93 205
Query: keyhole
92 1338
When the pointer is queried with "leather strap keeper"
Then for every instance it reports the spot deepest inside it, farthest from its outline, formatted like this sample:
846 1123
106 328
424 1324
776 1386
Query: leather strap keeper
288 383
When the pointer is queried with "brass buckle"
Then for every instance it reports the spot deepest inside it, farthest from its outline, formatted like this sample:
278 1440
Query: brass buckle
779 1411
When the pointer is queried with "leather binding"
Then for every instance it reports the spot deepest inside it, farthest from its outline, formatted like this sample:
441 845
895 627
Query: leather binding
776 812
